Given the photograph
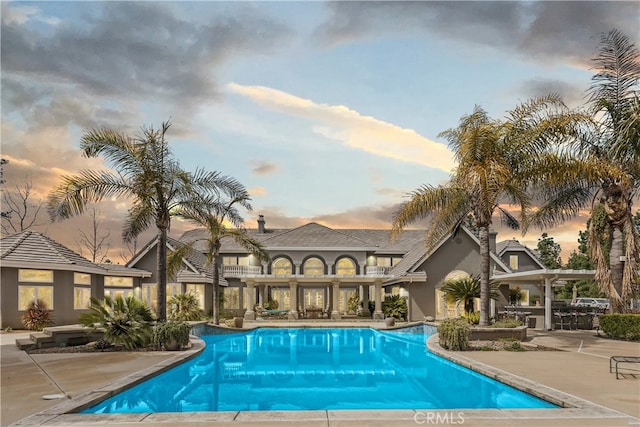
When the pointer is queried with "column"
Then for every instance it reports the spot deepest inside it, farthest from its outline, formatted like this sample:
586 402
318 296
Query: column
251 291
335 288
548 312
378 314
262 295
293 299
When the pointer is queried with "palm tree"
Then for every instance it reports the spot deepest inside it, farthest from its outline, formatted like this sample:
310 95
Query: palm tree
465 289
147 172
493 161
221 219
602 169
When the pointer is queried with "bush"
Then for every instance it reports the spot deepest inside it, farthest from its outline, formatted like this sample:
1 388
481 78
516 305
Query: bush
125 321
507 323
38 316
621 326
454 334
166 332
472 317
184 307
395 306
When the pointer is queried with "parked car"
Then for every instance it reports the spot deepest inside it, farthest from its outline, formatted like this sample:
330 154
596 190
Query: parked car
600 303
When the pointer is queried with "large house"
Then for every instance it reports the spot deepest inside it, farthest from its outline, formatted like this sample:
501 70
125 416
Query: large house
313 270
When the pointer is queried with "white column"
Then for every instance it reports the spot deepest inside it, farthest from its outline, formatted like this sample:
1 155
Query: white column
548 294
335 314
251 290
293 299
378 314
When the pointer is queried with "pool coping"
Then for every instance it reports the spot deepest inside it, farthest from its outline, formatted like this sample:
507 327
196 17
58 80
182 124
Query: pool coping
574 410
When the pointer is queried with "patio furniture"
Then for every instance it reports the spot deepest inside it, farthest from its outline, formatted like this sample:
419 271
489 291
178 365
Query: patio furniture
615 360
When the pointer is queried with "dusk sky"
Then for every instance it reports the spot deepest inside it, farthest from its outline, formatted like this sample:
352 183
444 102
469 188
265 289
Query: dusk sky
326 112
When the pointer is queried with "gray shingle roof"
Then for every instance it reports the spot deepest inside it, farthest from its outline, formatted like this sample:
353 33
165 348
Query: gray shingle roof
33 247
314 235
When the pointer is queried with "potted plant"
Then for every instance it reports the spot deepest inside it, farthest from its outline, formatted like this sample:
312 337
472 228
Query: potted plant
238 321
171 335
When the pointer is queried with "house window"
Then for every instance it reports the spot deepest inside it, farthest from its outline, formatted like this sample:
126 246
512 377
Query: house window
81 279
313 267
81 297
35 276
28 294
314 298
513 262
231 298
235 260
281 267
118 286
345 267
283 297
150 295
196 290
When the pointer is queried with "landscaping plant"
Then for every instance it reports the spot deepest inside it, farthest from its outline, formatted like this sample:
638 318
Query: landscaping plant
125 321
37 316
164 333
184 307
454 334
395 306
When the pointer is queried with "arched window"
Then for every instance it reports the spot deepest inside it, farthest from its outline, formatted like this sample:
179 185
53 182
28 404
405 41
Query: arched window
281 267
345 267
313 267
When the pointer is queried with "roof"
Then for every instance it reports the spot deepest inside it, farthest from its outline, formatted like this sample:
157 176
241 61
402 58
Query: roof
515 246
30 249
314 235
543 274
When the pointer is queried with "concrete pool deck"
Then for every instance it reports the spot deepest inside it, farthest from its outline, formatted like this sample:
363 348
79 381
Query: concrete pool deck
578 375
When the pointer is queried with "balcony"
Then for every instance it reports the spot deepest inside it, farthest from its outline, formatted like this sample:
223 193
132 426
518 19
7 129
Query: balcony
377 271
240 270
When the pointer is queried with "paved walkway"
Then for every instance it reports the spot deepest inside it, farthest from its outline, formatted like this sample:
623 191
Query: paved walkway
581 370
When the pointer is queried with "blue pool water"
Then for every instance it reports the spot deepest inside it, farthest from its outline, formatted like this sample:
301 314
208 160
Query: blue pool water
306 369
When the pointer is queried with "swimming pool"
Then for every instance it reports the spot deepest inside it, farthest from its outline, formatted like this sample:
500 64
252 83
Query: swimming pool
311 369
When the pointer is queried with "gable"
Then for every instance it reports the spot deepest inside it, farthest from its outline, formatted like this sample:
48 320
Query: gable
316 236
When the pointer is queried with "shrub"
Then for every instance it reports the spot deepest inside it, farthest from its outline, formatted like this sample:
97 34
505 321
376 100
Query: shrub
37 316
511 344
184 307
354 302
125 321
507 323
395 306
166 332
472 317
454 334
621 326
271 304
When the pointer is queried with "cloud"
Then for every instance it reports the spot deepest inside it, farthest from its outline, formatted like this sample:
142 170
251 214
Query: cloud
572 94
258 191
263 167
545 31
126 53
353 129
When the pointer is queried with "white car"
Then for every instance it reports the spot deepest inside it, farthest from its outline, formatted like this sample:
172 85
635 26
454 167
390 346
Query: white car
601 303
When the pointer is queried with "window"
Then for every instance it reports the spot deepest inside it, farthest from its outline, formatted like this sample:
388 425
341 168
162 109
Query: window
282 296
81 279
281 267
513 262
231 298
314 298
197 291
117 281
150 295
27 294
313 267
81 297
35 276
345 267
235 260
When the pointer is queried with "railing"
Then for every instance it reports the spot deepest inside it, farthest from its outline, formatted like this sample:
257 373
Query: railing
377 271
240 270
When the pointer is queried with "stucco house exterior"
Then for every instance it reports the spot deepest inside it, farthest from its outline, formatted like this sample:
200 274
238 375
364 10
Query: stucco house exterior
315 270
35 266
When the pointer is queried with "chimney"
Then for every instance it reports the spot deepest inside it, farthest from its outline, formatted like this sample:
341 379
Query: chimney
492 240
261 224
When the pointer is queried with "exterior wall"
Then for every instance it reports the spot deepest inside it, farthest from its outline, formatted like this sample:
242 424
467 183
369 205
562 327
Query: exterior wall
9 314
63 312
525 262
148 263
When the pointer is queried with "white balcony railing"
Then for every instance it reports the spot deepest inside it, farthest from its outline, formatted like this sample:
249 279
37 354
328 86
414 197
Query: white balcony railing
377 271
240 270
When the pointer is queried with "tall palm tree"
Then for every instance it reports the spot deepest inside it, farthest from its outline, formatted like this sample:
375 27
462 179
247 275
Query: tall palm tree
602 169
221 219
493 160
145 171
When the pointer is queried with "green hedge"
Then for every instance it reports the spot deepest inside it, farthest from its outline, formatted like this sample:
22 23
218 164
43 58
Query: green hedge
621 326
454 334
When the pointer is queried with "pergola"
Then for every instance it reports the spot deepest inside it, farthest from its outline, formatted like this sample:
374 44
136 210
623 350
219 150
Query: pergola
548 279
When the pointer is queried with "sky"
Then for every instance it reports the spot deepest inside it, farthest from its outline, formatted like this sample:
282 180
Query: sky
325 111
